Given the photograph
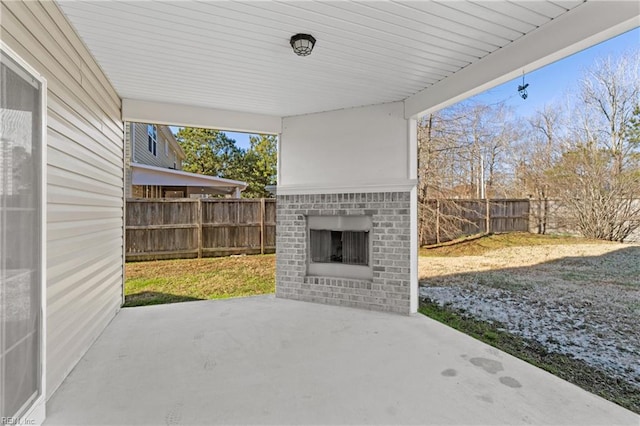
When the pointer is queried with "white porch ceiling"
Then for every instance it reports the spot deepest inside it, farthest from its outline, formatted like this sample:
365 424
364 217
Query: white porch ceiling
236 56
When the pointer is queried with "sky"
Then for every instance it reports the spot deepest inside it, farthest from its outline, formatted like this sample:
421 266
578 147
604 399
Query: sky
242 139
546 84
552 82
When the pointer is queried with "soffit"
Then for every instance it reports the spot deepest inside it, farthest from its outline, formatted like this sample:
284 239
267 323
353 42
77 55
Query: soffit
236 55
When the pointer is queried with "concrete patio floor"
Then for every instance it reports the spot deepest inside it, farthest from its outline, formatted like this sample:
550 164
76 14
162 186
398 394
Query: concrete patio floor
263 360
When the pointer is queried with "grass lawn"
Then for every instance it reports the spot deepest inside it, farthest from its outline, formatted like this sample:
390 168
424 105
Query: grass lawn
491 242
170 281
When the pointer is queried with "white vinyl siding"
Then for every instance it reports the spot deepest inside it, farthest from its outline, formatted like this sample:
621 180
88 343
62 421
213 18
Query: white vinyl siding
145 156
85 182
142 154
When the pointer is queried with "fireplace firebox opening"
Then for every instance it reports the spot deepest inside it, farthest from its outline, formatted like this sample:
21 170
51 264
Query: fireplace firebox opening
339 246
347 247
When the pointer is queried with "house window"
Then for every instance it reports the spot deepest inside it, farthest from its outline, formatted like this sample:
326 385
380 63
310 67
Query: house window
152 132
175 160
166 148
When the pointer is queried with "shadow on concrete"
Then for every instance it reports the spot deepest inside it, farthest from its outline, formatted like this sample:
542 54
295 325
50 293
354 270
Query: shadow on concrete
144 298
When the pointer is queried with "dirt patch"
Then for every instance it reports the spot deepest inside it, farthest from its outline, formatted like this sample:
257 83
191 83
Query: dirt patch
581 300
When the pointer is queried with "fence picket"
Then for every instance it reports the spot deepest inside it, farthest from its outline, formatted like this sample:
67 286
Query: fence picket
454 218
182 228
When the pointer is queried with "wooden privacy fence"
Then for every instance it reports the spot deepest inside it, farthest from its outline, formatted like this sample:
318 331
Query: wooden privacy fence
445 220
182 228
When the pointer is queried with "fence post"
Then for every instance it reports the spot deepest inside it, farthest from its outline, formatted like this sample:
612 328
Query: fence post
199 222
539 215
488 217
546 215
262 226
438 221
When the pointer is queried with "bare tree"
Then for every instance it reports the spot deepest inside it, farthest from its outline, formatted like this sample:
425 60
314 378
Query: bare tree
437 153
537 149
502 134
610 92
597 200
598 179
460 153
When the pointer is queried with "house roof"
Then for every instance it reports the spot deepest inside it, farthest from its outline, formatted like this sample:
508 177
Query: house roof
235 56
143 174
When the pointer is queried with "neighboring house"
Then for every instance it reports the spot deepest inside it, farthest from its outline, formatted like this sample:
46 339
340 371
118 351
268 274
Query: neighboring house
154 167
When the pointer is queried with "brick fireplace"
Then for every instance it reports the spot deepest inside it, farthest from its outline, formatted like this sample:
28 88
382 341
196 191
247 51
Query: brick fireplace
363 259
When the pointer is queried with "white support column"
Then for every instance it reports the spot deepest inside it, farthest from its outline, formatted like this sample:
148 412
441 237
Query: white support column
413 295
412 138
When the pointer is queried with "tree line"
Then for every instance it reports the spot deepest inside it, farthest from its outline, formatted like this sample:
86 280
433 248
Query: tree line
583 152
212 152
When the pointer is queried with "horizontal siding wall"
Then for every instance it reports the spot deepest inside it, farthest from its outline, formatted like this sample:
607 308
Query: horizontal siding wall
85 182
143 155
165 147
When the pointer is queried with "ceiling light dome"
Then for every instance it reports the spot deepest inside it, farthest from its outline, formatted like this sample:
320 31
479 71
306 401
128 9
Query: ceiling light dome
302 44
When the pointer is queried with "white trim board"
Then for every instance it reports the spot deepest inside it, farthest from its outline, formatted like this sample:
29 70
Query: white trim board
140 111
404 186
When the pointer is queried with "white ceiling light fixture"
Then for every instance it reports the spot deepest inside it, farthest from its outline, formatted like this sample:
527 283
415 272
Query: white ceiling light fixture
302 44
